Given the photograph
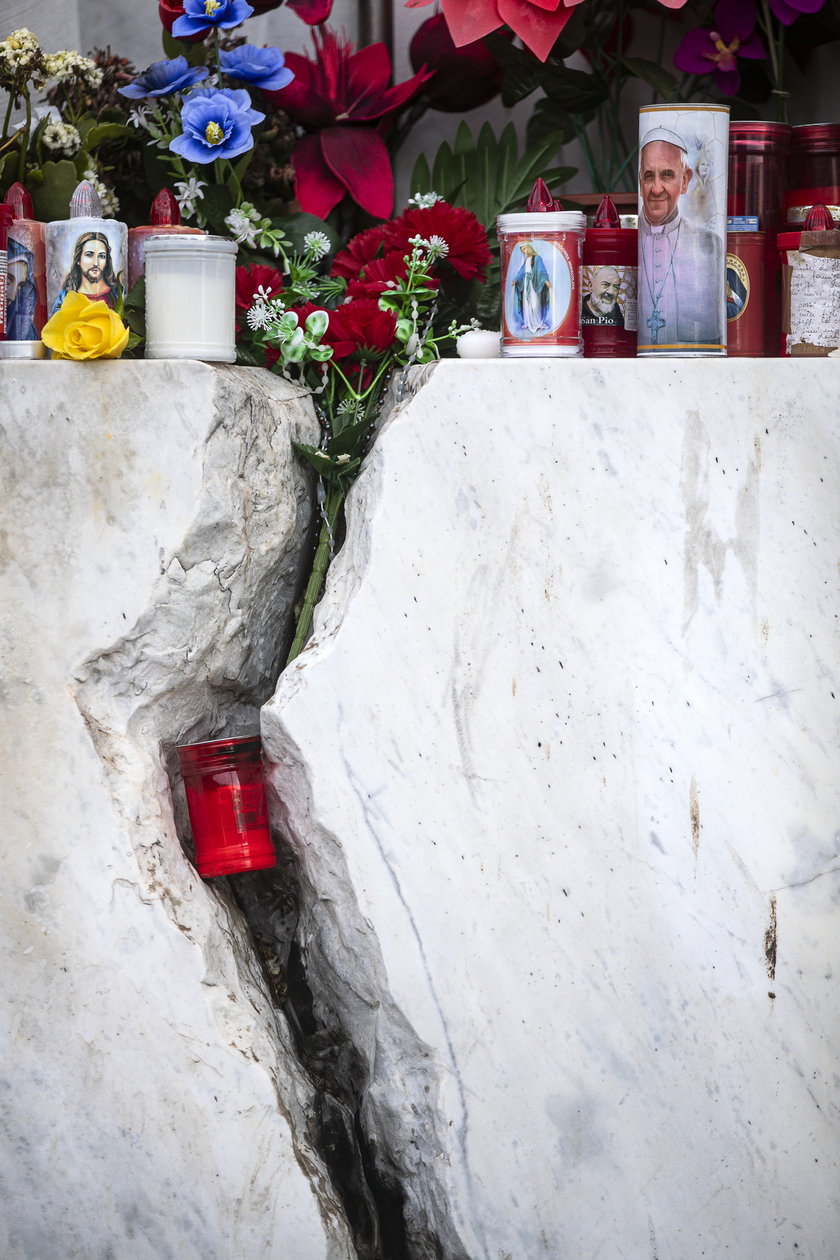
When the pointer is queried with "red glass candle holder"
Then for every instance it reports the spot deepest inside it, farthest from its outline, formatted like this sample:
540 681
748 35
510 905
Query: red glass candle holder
757 156
228 809
813 173
609 284
6 220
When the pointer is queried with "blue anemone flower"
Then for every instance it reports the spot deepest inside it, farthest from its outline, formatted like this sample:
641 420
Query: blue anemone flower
199 14
216 123
163 78
264 68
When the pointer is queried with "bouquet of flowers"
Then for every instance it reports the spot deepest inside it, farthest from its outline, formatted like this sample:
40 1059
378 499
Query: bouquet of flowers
343 335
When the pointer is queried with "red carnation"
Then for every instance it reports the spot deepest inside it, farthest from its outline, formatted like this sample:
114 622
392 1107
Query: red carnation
466 238
249 279
361 250
358 327
378 276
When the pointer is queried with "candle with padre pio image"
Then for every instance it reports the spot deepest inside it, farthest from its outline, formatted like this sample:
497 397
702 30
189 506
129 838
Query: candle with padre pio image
683 164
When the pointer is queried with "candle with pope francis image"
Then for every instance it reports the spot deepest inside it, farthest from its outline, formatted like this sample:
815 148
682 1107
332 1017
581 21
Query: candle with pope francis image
683 167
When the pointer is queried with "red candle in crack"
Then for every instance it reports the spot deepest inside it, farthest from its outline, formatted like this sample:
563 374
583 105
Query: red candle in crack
609 284
225 789
164 220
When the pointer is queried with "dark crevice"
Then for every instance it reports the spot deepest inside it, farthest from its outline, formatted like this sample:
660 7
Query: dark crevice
269 902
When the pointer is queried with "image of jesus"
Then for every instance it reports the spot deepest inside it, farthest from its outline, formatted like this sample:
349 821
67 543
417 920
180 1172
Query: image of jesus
680 263
92 272
532 292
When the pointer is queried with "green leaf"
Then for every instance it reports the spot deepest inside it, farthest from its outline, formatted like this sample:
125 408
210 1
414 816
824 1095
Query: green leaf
8 173
51 199
249 355
421 177
135 299
443 171
573 90
196 54
349 440
104 132
523 73
507 157
652 74
534 161
297 226
216 205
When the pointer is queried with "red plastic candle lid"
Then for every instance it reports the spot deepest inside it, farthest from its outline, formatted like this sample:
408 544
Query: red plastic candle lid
20 202
165 210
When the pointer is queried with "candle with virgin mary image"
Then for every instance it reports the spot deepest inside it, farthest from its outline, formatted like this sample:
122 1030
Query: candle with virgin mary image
683 164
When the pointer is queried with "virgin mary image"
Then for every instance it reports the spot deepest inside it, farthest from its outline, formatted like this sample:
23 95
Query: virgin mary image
532 292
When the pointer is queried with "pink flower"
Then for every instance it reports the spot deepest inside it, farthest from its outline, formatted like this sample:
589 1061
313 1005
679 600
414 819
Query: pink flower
538 23
716 52
341 95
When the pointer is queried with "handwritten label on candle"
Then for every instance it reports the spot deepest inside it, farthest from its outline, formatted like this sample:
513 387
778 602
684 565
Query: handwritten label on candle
814 300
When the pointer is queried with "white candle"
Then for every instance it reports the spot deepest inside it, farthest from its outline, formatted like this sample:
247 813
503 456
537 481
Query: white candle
480 343
190 298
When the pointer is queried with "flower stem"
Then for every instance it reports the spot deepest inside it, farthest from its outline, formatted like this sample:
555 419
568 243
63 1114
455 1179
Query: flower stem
24 140
218 52
8 115
335 499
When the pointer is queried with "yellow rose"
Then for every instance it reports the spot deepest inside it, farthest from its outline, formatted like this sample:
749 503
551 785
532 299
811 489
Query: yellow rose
82 329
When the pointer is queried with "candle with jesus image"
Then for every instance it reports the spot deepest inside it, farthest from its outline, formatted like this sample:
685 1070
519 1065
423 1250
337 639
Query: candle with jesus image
683 165
86 254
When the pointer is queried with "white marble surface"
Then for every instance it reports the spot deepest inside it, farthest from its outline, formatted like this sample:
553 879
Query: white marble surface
561 751
151 526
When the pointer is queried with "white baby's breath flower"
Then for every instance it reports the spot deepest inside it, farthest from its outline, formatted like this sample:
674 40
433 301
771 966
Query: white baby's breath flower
424 200
317 244
109 200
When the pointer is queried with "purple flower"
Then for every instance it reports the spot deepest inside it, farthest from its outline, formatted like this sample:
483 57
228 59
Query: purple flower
787 11
163 78
261 67
216 123
716 52
199 14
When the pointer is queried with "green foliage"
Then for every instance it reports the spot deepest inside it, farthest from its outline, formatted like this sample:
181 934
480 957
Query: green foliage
196 54
660 80
51 188
488 177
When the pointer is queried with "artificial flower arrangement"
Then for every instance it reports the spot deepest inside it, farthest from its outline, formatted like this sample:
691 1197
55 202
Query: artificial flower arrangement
344 335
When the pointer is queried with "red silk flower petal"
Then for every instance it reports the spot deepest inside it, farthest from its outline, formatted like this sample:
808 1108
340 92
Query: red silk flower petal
358 157
317 188
368 72
394 98
469 20
312 12
537 29
300 99
672 4
417 4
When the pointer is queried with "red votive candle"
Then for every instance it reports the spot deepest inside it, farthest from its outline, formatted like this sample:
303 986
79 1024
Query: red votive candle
757 155
228 809
813 172
6 218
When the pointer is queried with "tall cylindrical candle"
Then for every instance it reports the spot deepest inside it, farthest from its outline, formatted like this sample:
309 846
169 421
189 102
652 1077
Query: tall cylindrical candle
190 298
813 176
683 159
609 285
5 221
86 254
26 293
757 156
745 294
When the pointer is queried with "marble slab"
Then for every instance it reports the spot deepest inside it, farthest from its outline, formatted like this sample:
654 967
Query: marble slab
561 764
153 521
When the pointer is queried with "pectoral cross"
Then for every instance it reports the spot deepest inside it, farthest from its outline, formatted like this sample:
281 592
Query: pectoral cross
654 323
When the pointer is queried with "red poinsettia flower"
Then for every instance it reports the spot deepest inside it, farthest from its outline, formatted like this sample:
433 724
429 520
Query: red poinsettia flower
312 12
362 249
339 95
466 239
250 279
538 23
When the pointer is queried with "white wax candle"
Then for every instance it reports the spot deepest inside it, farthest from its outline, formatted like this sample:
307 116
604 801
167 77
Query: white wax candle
480 343
190 298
